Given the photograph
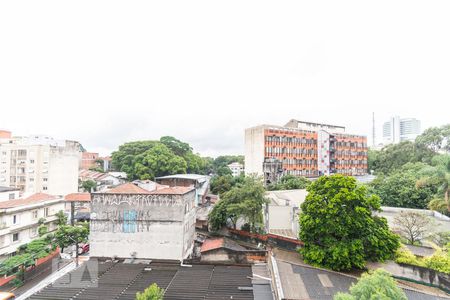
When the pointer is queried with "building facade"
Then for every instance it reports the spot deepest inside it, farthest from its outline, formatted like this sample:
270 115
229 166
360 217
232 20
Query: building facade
19 220
89 160
398 129
303 149
38 164
199 182
236 169
129 221
8 193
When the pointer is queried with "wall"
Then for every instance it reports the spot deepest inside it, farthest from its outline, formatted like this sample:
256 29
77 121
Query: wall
4 196
63 171
236 257
254 150
280 217
424 275
163 227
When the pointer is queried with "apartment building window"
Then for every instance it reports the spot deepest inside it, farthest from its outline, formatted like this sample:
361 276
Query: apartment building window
44 188
15 219
35 214
15 237
11 196
45 179
31 161
46 212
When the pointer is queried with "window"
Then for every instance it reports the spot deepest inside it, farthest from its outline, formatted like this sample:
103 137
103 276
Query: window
44 188
46 212
15 219
15 237
31 161
11 196
34 232
129 221
45 179
35 214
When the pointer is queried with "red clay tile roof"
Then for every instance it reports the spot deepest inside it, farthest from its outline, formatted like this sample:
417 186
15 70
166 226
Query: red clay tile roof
211 244
175 190
78 197
33 199
127 188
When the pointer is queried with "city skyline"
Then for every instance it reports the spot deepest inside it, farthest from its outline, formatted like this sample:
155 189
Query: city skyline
104 82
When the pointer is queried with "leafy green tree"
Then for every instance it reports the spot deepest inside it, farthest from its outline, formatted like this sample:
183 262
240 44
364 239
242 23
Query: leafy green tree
178 147
392 157
89 185
159 161
42 230
224 171
290 182
62 218
225 160
439 174
153 292
67 235
376 285
435 138
123 159
244 200
221 184
338 228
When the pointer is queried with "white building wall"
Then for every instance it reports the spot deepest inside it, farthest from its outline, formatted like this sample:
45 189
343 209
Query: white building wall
5 196
26 224
254 150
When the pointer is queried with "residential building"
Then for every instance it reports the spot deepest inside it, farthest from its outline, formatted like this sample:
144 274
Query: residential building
282 210
303 149
236 169
8 193
199 182
19 220
398 129
129 221
104 180
37 164
89 160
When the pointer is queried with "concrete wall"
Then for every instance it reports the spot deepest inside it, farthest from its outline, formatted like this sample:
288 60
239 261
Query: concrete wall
280 217
5 196
254 150
237 257
164 226
63 172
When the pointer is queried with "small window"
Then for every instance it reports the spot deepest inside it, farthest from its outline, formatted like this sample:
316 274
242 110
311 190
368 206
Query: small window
44 188
15 237
45 179
11 196
46 212
35 214
15 219
31 161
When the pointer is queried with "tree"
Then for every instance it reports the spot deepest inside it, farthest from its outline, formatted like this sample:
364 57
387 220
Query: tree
221 184
244 200
89 185
435 138
224 171
153 292
62 218
290 182
67 235
158 161
225 160
413 226
337 226
376 285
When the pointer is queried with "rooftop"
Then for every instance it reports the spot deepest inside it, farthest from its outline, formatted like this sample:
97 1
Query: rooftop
185 176
175 190
287 197
7 189
78 197
213 244
127 188
33 199
121 281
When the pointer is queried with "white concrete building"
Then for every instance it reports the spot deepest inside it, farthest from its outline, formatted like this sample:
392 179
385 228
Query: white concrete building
236 169
129 221
397 130
8 193
19 220
281 213
39 164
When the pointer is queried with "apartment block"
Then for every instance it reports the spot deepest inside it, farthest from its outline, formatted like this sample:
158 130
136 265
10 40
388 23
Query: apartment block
303 149
398 129
36 164
19 220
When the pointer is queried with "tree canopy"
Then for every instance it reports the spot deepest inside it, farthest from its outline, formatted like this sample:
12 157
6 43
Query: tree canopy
338 228
245 200
290 182
376 285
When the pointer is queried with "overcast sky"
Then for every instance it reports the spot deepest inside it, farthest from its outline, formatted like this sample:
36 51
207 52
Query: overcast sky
107 72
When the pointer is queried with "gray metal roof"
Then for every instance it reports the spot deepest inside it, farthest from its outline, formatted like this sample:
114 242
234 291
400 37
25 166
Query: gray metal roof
7 189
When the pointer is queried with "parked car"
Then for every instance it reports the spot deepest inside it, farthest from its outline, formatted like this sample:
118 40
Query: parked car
83 249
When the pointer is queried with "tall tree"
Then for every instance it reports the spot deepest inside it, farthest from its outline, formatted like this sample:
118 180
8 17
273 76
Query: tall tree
338 228
435 138
413 226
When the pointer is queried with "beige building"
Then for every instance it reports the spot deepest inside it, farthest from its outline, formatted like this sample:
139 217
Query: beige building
129 220
19 220
39 164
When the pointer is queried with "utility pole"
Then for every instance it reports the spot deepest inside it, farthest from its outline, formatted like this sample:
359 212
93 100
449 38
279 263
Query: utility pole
373 130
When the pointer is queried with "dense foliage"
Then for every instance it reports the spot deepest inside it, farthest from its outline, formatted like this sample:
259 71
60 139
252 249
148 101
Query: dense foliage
150 159
222 184
290 182
67 235
245 200
337 226
376 285
439 261
153 292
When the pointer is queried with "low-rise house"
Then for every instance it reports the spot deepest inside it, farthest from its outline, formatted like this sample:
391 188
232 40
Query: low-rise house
129 221
104 180
20 219
8 193
224 250
281 213
199 182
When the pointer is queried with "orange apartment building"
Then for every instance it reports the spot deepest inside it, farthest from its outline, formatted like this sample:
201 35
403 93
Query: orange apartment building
303 149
